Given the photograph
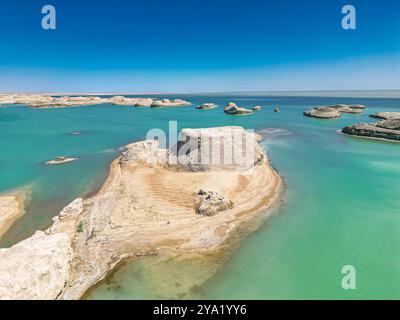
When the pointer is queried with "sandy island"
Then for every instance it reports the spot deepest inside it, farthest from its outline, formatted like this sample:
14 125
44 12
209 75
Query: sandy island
150 207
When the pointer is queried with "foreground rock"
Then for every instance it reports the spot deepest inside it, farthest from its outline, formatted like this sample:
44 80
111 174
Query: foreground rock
210 203
36 268
233 109
385 129
334 111
61 160
206 106
11 208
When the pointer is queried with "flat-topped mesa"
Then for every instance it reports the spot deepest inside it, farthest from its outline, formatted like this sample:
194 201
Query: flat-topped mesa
164 103
65 101
386 115
333 111
209 203
206 106
233 109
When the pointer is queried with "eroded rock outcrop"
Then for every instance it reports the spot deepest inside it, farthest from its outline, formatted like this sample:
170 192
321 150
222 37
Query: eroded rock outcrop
11 208
36 268
46 101
333 111
135 102
386 115
233 109
61 160
164 103
148 206
206 106
385 129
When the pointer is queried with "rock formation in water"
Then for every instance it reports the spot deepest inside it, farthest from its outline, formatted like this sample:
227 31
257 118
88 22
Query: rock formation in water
164 103
61 160
11 208
233 109
386 115
206 106
150 204
388 129
334 111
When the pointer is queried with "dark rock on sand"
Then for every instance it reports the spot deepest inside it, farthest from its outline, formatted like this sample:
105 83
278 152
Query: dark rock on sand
210 203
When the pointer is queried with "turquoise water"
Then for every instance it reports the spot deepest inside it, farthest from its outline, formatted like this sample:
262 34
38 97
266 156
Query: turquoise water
341 205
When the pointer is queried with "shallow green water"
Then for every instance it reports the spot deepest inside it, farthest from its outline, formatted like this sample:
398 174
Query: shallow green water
341 205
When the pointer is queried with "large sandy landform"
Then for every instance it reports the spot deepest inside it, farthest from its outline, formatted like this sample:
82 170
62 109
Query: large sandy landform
149 207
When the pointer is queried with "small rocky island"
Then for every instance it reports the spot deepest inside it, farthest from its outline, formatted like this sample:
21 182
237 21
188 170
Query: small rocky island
233 109
206 106
386 129
61 160
333 111
155 201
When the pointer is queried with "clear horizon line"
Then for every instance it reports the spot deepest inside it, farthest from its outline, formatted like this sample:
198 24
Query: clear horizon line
190 92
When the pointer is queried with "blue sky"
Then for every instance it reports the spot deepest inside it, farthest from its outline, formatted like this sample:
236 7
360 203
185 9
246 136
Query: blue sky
192 45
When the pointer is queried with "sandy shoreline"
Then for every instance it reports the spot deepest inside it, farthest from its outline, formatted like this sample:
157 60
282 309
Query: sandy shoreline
11 209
